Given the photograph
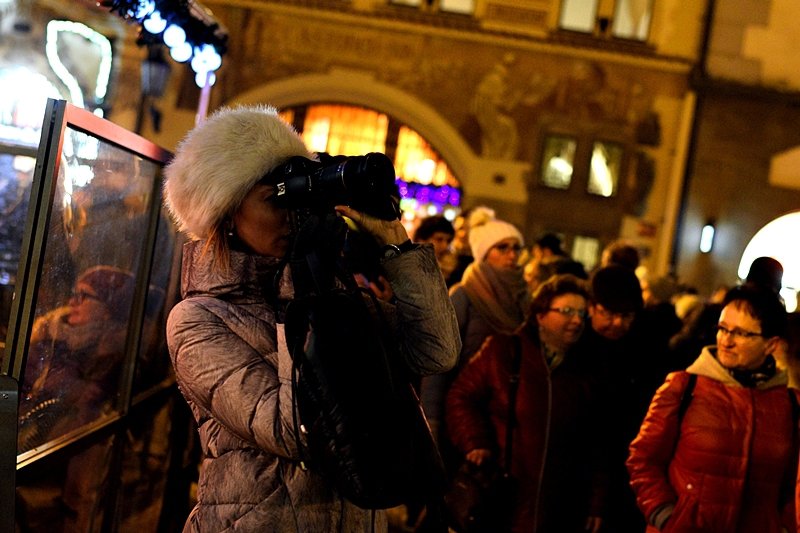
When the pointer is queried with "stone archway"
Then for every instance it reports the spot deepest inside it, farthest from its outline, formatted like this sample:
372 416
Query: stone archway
361 89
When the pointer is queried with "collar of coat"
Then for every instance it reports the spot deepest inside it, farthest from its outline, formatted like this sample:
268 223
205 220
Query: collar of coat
709 366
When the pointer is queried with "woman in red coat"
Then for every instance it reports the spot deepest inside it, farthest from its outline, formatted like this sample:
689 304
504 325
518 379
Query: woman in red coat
555 455
725 458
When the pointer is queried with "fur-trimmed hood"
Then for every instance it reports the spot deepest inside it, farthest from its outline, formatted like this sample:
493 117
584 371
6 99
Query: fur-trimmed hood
219 161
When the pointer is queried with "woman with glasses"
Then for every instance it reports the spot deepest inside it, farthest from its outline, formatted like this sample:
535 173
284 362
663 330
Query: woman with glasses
718 449
554 460
490 298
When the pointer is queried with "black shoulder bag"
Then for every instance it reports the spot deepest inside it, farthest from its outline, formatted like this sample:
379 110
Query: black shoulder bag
363 427
481 497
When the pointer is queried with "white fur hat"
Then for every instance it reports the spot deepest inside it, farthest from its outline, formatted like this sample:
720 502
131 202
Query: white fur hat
486 231
219 161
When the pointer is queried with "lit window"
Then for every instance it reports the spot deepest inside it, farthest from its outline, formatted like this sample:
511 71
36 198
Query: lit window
457 6
415 160
345 130
632 19
578 15
605 168
557 162
585 250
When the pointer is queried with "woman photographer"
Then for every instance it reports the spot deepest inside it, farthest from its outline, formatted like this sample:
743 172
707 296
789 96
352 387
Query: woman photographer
226 338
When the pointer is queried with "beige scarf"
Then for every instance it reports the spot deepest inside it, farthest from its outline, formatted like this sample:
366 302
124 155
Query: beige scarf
500 296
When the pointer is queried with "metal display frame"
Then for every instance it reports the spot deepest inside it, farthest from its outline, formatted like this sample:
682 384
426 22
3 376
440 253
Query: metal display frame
59 117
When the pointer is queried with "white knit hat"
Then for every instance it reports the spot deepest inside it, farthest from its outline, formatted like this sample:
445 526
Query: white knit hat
219 161
485 232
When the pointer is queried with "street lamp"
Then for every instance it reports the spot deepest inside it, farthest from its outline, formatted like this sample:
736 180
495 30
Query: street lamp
154 76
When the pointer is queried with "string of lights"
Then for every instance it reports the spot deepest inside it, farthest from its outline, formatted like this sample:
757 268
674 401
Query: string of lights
187 28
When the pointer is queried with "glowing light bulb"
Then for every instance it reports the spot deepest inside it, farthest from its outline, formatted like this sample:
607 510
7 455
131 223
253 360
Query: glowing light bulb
155 23
174 36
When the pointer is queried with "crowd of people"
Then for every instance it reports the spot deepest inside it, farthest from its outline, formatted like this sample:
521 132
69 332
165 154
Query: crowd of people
638 405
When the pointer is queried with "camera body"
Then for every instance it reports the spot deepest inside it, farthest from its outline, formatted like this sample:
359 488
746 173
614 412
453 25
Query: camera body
365 183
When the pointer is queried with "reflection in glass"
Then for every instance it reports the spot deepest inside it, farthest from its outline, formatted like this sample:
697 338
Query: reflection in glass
578 15
632 19
16 174
145 461
605 167
67 494
94 245
559 155
153 366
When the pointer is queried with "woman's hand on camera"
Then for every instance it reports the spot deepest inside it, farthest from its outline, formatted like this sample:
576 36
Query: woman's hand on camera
383 231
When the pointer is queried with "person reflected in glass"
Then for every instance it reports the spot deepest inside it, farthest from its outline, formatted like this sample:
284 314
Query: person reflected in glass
722 456
74 361
72 378
556 465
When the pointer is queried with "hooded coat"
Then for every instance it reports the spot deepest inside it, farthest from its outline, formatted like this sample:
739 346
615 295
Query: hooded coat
729 465
232 366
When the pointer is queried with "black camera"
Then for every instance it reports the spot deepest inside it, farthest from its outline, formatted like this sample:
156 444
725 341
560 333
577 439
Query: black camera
365 183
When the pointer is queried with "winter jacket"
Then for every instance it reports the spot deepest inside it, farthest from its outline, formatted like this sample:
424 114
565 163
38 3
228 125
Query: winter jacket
232 365
555 460
729 466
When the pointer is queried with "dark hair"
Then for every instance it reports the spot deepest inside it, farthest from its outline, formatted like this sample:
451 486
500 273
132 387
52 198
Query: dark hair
553 287
617 289
430 225
762 304
767 273
623 254
559 264
550 241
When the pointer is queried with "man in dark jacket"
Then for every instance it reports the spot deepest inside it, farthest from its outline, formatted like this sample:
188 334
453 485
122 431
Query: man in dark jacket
628 378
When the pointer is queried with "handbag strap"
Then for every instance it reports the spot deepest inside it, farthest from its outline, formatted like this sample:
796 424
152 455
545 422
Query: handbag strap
513 385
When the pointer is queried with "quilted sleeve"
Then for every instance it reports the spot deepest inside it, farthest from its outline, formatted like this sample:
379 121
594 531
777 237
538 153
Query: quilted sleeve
229 382
425 321
651 451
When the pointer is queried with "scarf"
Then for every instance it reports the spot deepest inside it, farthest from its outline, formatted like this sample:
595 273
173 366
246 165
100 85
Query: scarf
500 296
752 378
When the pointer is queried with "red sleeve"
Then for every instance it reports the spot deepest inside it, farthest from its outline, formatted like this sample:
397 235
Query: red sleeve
467 405
652 450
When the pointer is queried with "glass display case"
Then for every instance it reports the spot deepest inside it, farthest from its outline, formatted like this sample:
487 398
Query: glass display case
97 275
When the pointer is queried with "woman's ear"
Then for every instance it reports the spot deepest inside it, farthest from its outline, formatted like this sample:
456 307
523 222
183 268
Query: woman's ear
776 346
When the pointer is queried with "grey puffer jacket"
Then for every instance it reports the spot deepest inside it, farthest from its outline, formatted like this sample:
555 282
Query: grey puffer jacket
234 370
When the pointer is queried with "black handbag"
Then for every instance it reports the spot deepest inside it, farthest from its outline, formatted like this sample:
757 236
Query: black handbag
481 497
364 428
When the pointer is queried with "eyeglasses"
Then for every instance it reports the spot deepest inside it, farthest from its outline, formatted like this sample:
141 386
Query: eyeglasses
504 247
81 296
737 333
569 311
611 315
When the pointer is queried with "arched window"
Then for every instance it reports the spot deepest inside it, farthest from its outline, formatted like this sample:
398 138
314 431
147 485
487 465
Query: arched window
426 184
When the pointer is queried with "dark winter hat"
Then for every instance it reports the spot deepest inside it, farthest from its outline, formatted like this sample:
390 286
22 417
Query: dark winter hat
113 286
432 224
617 289
766 272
